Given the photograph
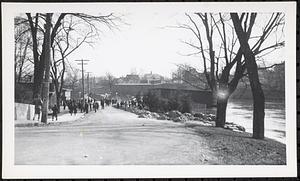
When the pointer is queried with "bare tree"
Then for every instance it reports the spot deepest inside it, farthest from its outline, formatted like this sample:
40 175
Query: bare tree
191 76
110 81
63 46
23 63
216 44
72 78
36 22
221 54
247 20
41 40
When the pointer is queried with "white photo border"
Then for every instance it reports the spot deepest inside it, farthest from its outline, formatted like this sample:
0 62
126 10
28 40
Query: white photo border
9 170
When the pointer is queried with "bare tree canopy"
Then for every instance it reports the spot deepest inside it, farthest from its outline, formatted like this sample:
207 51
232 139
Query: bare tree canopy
110 80
83 28
216 42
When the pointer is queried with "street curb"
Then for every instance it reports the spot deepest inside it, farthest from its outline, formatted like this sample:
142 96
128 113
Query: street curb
27 124
39 124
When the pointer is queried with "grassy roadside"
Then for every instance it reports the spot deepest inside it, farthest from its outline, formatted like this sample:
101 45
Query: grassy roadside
239 148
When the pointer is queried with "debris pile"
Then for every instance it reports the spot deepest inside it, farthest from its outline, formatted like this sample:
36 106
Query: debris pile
176 116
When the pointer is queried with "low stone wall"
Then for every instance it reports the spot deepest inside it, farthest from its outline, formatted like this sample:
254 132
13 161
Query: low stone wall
24 111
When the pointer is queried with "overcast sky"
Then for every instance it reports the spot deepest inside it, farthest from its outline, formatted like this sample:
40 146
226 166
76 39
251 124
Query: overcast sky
145 45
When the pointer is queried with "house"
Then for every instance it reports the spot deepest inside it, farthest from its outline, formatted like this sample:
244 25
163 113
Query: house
152 79
66 93
132 78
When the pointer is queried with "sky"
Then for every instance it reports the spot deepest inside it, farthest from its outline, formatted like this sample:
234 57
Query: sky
146 43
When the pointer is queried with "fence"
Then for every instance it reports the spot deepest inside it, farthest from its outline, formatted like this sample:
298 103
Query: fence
24 111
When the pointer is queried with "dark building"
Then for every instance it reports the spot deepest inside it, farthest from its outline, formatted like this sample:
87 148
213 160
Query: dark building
198 99
24 93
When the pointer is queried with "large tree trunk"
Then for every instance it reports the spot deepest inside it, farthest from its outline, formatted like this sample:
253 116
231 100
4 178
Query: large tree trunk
61 84
221 112
222 97
258 106
47 58
58 100
251 66
57 93
37 72
16 62
21 64
37 80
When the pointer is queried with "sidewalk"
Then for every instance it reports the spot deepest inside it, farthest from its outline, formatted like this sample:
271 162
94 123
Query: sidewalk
62 117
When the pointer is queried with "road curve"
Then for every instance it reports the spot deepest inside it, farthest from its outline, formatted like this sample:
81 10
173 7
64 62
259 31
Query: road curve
111 137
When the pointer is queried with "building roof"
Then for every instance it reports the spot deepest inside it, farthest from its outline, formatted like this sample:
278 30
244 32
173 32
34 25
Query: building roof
129 84
153 76
132 76
177 86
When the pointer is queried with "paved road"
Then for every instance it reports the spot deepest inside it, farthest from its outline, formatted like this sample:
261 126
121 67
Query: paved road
111 136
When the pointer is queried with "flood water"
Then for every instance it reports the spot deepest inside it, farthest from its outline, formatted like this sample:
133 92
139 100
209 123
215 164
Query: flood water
240 112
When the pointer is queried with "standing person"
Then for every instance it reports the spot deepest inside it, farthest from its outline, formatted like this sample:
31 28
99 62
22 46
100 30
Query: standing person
125 104
140 106
102 103
95 106
86 107
37 107
70 106
54 112
78 105
90 104
64 104
81 106
74 108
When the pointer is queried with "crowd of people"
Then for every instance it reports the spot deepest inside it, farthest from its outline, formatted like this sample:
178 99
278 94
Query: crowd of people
129 103
84 106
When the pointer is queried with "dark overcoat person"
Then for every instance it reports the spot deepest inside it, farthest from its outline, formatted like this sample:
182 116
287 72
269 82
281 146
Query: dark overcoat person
54 112
86 107
37 107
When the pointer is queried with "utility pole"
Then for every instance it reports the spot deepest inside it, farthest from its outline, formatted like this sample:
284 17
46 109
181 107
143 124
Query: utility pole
47 57
94 84
82 73
88 82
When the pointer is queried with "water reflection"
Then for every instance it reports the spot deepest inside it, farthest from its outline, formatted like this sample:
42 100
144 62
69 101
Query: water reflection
240 112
